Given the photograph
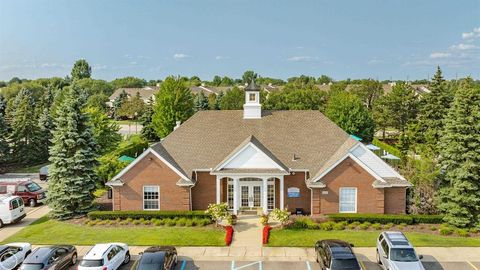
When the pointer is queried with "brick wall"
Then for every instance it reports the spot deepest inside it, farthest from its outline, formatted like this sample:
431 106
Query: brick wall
349 174
151 171
395 202
298 181
204 191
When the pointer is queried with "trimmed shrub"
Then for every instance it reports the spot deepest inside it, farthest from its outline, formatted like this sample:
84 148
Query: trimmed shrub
170 222
352 226
326 226
377 226
433 228
388 226
145 214
181 222
462 232
427 219
189 222
445 230
372 218
159 222
473 230
365 225
340 226
136 222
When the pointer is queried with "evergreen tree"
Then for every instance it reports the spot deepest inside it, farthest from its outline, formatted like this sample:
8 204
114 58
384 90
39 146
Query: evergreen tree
401 105
45 124
81 70
434 110
201 102
460 158
218 101
72 156
348 112
24 135
4 146
174 102
148 132
3 105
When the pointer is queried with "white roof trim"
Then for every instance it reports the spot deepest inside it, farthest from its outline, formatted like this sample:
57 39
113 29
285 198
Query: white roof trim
143 155
222 165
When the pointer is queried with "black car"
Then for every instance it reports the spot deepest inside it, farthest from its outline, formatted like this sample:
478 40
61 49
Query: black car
51 257
157 258
336 255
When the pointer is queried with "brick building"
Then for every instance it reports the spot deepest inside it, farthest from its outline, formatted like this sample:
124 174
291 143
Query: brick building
254 159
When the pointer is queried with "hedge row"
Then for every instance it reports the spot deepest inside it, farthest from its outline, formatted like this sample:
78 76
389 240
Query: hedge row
385 219
146 214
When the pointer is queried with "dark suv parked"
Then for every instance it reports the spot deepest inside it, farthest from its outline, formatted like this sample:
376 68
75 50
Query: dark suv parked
336 255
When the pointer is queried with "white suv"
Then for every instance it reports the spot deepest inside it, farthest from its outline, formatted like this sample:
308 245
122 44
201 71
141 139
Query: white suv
105 257
394 252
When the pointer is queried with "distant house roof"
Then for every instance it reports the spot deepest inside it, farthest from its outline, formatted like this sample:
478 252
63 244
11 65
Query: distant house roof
145 92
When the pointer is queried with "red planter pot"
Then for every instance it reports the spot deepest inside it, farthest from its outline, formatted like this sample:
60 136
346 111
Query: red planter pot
229 235
266 234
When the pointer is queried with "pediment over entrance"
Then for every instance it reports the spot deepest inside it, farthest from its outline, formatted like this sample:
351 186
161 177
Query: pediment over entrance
251 154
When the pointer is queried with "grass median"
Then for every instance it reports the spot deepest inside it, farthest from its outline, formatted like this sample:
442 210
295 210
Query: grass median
46 232
307 238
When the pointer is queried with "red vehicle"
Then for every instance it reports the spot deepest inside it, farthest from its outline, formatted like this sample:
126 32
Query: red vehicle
31 193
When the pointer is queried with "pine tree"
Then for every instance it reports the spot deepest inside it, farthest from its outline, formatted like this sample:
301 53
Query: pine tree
118 102
72 156
104 130
434 110
3 105
4 147
146 120
460 158
45 124
24 135
174 102
201 102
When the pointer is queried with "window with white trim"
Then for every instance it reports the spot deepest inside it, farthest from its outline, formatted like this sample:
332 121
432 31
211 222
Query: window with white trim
151 198
348 200
230 195
270 197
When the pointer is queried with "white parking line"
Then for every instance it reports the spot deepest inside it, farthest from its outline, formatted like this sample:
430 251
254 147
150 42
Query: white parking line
308 265
471 264
260 265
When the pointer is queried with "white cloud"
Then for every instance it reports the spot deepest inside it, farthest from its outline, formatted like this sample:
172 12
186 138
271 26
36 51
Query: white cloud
99 67
437 55
463 47
470 35
301 58
220 57
375 60
180 56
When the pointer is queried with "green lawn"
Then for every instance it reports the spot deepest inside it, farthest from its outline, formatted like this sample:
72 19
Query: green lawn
47 232
307 238
31 169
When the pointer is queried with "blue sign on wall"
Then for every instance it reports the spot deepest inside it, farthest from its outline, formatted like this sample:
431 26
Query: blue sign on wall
293 192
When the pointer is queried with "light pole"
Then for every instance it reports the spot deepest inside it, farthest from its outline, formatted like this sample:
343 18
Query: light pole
136 114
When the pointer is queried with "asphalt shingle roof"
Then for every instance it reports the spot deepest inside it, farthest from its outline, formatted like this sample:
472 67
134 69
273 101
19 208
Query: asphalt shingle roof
208 137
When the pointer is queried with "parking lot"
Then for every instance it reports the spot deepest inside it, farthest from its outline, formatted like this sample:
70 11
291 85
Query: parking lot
186 264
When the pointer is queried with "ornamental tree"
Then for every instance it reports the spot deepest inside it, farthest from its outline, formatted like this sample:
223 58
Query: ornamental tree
73 160
81 70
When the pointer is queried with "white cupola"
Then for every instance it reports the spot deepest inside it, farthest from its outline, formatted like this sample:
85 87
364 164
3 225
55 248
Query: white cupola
252 109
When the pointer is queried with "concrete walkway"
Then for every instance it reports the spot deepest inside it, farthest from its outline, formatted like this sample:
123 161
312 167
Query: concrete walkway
247 232
34 214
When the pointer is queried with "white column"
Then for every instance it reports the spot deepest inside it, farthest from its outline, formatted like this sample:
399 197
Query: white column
282 205
235 196
264 197
218 189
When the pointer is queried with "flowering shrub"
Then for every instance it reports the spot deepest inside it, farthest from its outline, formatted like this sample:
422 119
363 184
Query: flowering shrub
266 234
217 211
264 219
281 215
229 235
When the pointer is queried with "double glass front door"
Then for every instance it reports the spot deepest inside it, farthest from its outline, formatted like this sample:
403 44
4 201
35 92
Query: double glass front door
251 196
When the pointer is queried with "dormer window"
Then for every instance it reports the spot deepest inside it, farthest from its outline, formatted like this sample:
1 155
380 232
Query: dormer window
251 97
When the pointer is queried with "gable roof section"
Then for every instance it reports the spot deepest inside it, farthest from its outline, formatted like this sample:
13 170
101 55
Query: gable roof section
253 142
159 151
385 175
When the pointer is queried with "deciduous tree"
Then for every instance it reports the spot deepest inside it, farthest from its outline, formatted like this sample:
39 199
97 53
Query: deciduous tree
233 99
81 70
174 102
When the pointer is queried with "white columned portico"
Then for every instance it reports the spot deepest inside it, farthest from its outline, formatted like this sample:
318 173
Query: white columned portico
235 195
218 186
264 197
282 194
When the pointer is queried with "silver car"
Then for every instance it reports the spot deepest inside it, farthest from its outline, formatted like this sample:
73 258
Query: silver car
394 252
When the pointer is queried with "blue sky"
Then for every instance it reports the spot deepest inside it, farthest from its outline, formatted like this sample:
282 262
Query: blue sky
379 39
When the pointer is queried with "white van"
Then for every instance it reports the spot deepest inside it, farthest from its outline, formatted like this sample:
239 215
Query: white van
11 209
